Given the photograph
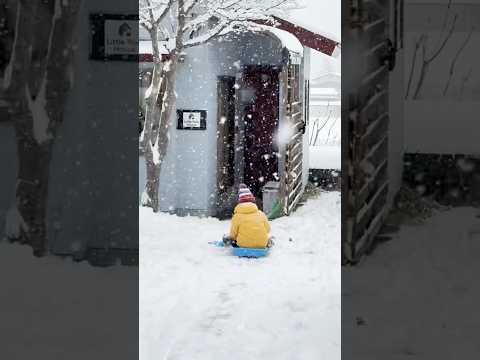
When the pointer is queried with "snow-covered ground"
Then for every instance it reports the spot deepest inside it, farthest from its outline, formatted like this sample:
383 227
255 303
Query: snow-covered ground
417 294
198 302
59 309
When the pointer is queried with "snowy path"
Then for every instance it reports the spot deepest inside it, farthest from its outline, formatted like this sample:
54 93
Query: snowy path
199 302
418 294
54 308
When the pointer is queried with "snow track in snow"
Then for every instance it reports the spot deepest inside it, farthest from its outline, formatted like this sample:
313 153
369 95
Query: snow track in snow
199 302
417 294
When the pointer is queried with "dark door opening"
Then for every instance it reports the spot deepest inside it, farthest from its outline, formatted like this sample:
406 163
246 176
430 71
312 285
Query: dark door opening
225 146
261 123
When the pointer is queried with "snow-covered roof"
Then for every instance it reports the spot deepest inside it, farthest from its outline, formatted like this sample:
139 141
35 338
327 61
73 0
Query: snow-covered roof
145 47
307 38
321 17
313 27
289 41
328 77
324 91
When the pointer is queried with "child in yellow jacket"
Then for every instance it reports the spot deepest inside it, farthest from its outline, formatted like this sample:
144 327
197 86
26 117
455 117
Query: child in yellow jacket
250 227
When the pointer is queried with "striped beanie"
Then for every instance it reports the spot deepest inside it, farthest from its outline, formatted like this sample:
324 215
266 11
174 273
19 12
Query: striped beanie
244 194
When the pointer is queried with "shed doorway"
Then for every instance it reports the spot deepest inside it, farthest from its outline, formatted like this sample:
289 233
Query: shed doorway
261 118
225 146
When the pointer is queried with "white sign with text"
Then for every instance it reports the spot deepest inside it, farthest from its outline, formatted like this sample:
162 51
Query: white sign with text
121 37
192 120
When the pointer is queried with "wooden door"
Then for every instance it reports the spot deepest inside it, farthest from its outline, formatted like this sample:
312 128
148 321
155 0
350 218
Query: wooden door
225 146
261 117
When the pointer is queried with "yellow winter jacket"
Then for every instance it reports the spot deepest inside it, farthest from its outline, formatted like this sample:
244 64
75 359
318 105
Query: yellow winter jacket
250 226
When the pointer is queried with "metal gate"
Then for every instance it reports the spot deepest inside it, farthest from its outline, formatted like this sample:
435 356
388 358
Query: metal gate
365 123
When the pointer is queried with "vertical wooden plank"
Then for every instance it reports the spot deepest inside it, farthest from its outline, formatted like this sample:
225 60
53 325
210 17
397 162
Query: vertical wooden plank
364 124
283 152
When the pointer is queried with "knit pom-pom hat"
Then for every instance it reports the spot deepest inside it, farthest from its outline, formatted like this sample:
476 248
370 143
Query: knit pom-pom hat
244 194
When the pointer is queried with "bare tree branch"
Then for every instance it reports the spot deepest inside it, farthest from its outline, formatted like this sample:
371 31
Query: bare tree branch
414 60
202 40
465 79
427 61
445 20
191 6
168 7
442 46
279 4
331 128
455 59
150 13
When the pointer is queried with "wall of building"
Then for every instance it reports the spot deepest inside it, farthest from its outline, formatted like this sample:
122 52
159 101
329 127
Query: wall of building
188 180
396 136
306 152
100 113
8 178
93 162
437 117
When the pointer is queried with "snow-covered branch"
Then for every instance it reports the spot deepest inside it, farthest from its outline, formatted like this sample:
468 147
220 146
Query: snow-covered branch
198 27
153 12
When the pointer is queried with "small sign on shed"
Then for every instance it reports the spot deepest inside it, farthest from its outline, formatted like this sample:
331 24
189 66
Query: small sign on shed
192 119
114 37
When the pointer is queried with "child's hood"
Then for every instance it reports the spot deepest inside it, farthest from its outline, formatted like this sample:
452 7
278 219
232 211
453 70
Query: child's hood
246 208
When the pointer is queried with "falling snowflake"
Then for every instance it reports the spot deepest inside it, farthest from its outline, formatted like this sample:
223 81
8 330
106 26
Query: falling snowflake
421 189
76 246
465 165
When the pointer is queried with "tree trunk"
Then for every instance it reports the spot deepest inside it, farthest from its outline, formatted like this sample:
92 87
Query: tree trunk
156 150
170 101
32 185
43 54
153 106
150 198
